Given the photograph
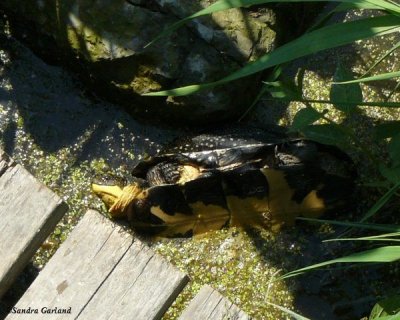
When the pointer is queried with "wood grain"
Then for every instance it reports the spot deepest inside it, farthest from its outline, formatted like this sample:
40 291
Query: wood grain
210 304
29 212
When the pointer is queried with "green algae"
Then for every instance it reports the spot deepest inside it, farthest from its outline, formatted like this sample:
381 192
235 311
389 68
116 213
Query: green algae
229 261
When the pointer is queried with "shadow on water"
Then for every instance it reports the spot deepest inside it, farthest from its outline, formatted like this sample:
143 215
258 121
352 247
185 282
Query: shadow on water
55 111
52 108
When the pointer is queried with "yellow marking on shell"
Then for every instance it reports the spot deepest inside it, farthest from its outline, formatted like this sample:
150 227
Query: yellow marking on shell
188 173
169 218
209 217
178 223
205 218
282 208
247 211
276 208
312 206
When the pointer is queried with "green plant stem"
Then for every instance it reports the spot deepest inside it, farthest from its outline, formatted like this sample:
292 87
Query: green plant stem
393 91
379 204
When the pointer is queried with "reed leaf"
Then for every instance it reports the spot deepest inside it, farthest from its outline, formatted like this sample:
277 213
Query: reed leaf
383 57
363 103
320 39
291 313
383 237
381 202
392 317
378 77
230 4
381 254
369 226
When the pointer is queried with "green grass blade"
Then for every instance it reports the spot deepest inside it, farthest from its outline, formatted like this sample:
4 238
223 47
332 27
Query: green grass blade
351 4
344 6
381 254
393 91
321 39
384 56
362 239
385 236
392 317
378 77
364 104
381 202
291 313
357 5
369 226
230 4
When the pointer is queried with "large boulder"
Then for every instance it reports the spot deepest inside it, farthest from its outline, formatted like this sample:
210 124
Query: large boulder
108 39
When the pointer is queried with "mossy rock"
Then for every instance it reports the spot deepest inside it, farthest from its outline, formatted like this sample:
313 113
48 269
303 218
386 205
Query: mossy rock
105 40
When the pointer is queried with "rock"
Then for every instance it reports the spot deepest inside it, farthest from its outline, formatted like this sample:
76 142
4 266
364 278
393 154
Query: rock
108 38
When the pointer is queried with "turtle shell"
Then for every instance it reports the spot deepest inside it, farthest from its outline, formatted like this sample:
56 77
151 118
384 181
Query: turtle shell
185 158
202 155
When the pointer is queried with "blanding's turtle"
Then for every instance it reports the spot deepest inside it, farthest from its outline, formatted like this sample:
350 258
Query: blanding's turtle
247 177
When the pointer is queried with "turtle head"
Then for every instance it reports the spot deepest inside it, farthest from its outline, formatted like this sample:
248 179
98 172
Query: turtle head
116 193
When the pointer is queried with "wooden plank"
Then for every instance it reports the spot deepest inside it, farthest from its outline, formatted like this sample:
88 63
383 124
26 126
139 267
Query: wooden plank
102 272
210 304
142 286
29 211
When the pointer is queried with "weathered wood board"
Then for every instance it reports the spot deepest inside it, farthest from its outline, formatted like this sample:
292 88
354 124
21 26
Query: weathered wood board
102 272
29 212
210 304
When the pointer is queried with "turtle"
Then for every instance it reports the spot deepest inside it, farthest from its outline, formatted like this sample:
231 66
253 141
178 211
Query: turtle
245 177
